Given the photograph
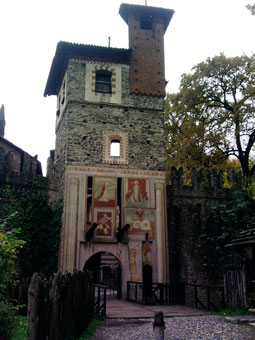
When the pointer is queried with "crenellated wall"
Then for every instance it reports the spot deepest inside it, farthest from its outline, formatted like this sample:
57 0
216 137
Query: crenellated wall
189 214
28 175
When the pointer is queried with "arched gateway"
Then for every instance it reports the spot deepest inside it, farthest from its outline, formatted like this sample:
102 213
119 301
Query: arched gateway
106 270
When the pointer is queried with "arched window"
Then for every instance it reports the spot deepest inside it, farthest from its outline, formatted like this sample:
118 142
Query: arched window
115 148
103 81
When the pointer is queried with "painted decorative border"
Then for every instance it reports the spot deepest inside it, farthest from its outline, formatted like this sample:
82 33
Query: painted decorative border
91 170
108 137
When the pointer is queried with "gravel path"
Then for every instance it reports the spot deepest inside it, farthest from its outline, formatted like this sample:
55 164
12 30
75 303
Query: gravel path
177 328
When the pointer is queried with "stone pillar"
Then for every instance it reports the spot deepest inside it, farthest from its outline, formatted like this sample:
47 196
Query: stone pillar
70 224
81 219
159 326
161 232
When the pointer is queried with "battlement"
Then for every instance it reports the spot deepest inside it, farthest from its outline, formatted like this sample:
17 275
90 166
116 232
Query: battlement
211 183
18 167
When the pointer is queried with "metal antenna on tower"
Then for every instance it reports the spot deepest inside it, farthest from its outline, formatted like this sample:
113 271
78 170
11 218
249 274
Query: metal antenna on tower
145 2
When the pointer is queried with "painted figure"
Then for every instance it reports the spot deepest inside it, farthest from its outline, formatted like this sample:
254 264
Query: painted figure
137 190
104 221
133 272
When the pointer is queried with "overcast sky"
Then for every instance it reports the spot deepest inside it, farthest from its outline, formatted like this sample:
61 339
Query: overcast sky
31 29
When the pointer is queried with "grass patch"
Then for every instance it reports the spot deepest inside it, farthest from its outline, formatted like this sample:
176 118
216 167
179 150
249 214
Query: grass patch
229 312
91 329
20 328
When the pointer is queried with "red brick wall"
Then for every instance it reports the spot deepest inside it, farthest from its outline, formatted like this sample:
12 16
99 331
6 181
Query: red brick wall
147 73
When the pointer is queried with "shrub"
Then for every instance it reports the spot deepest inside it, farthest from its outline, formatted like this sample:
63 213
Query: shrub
6 321
9 248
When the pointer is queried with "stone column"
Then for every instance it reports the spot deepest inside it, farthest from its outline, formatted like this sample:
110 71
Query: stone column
70 224
161 232
159 326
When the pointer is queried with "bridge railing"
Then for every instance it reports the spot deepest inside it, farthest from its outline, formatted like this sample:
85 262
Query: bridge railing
100 300
197 295
154 293
204 295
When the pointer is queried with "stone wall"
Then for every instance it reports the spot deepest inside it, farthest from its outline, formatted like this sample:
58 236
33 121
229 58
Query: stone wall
189 215
20 181
139 116
80 127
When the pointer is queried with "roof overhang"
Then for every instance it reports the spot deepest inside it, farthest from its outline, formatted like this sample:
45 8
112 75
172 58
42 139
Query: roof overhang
156 12
66 51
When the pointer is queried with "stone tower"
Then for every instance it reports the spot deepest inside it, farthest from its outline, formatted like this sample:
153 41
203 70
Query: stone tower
109 155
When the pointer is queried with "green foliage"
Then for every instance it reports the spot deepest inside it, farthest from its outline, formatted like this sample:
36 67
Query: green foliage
6 321
224 223
212 116
251 8
20 328
91 329
10 245
39 227
229 312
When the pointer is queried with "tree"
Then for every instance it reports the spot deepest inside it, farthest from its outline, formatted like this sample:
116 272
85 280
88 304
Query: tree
39 226
10 245
212 116
251 8
225 221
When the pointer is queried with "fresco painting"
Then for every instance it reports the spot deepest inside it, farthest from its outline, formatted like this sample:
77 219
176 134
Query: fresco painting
105 190
136 192
133 265
105 219
142 221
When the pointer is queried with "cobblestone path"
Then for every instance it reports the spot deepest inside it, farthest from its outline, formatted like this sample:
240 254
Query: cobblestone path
176 328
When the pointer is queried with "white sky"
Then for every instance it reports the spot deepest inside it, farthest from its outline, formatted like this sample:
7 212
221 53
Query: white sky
31 29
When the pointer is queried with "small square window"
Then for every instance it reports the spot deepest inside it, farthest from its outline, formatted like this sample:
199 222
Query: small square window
146 23
115 148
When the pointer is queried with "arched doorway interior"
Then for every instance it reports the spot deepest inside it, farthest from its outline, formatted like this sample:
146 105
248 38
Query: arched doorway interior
147 282
106 270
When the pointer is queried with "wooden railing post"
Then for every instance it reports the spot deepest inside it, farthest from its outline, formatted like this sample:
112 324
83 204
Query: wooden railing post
32 309
196 304
104 308
100 308
223 297
208 298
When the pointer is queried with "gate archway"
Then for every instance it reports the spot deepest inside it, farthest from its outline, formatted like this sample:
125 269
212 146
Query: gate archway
106 270
147 281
